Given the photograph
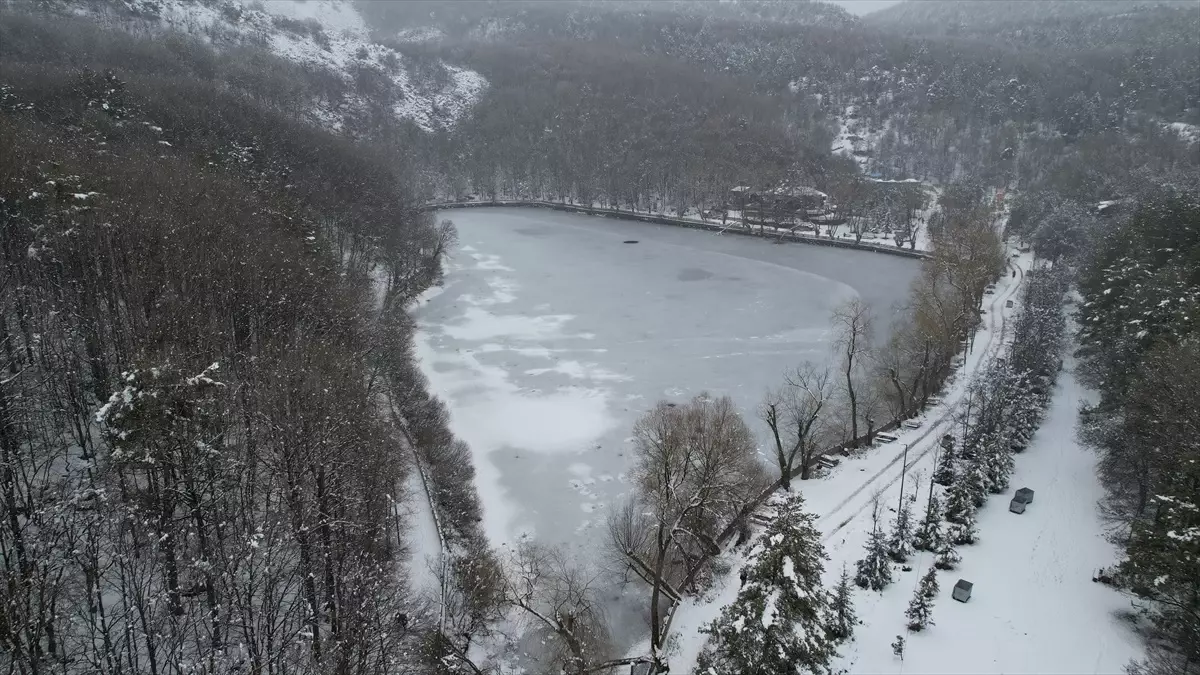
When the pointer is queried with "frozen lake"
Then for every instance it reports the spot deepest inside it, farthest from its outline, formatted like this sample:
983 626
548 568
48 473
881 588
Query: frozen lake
551 336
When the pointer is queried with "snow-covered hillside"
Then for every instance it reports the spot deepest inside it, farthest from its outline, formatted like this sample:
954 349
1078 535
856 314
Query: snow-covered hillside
1188 132
853 139
323 34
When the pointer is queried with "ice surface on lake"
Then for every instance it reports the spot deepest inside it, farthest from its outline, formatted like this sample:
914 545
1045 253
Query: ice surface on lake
552 336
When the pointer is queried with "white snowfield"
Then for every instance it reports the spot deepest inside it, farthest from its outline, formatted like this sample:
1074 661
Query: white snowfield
1034 609
347 45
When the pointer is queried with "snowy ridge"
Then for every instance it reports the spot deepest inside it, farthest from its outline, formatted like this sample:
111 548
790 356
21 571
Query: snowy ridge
324 34
1188 132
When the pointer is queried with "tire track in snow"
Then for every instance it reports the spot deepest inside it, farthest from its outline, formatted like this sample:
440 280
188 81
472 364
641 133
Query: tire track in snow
990 349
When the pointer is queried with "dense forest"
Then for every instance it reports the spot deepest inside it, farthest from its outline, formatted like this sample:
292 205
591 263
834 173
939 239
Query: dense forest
210 410
203 327
639 88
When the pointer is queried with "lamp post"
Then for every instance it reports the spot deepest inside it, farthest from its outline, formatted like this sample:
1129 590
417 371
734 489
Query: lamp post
903 472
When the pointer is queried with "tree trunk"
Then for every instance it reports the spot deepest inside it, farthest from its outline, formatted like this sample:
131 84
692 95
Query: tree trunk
785 464
853 398
300 532
656 592
806 455
166 544
331 599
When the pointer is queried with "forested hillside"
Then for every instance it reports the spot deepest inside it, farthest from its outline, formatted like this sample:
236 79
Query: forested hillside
315 58
641 90
201 313
1139 332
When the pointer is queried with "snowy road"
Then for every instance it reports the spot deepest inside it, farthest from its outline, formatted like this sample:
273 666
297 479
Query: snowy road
1034 608
424 544
922 444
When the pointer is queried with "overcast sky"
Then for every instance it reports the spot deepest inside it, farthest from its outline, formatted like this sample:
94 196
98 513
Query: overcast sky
861 7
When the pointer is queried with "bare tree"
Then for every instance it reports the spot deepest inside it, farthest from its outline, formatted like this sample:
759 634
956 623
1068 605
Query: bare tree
909 202
559 597
902 367
849 191
862 221
795 414
475 595
967 257
852 325
695 468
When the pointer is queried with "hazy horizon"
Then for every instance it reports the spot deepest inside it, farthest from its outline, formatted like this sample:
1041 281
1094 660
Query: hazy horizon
861 7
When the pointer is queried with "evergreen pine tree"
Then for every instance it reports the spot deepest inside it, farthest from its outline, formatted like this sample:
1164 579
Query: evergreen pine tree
874 570
945 473
998 465
961 534
1022 425
928 536
1027 423
947 557
920 608
777 624
898 647
969 452
900 542
974 481
959 505
842 618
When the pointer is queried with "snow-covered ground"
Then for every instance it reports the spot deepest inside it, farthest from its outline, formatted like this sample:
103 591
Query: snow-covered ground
424 544
1034 608
344 45
854 140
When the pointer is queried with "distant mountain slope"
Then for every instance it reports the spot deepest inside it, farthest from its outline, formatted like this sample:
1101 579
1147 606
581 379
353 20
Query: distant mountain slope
1048 24
326 35
469 17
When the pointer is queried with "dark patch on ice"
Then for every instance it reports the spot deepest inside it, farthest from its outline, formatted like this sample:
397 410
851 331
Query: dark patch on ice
534 231
694 274
631 241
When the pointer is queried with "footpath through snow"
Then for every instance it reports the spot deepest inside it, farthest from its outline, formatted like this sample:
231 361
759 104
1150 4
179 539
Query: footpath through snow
1034 608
